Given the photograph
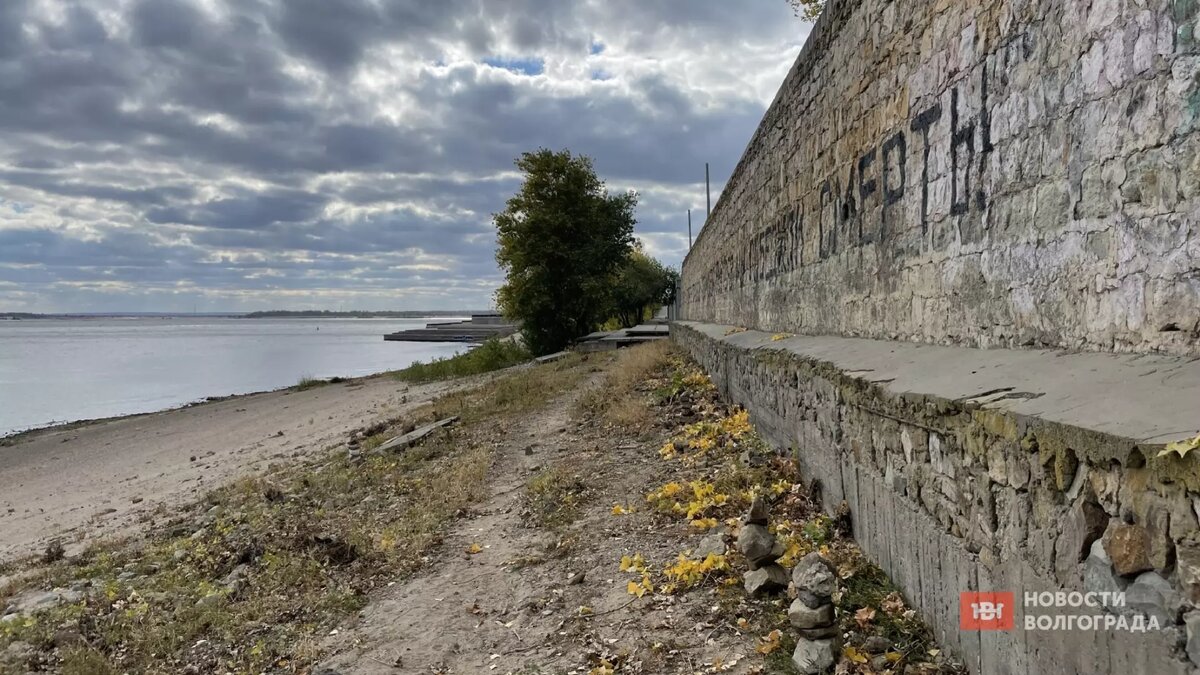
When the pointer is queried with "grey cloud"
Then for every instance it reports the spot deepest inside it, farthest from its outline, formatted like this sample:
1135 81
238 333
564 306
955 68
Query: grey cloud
248 212
183 144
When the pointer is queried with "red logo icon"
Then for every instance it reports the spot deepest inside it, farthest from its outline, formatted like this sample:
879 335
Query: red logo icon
986 611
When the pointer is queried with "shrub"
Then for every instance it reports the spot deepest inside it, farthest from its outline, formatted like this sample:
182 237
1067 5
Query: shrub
491 355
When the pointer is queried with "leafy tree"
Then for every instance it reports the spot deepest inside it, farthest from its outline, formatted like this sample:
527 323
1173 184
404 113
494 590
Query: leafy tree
642 282
808 10
561 239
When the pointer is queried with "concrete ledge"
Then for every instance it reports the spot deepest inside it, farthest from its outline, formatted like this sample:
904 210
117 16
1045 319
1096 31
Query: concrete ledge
968 470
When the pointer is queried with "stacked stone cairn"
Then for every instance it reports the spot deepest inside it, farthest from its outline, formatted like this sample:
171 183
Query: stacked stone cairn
813 582
761 549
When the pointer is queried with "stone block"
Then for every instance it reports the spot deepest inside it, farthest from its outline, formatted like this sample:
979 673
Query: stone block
1151 595
815 575
802 616
1098 575
1085 523
1128 547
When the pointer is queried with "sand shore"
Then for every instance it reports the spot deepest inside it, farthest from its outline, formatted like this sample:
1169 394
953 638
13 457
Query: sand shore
83 481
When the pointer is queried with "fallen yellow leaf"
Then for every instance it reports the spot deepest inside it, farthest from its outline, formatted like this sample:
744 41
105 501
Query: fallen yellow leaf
1182 448
854 655
474 548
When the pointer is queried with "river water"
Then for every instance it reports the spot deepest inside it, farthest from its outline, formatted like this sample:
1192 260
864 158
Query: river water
62 370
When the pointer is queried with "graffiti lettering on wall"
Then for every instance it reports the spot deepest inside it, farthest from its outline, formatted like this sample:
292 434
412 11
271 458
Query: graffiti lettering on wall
867 201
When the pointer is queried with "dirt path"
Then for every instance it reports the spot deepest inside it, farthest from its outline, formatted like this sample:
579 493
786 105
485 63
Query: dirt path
515 606
102 479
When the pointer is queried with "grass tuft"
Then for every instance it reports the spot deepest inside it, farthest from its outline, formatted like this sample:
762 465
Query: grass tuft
308 382
553 497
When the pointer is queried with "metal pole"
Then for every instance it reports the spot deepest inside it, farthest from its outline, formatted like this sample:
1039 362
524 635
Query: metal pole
707 194
689 229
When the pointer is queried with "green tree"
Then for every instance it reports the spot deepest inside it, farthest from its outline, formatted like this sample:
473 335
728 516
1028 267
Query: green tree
808 10
560 240
640 284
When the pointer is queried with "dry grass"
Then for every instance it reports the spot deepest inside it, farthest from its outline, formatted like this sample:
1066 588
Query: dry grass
621 400
271 563
553 497
249 579
517 392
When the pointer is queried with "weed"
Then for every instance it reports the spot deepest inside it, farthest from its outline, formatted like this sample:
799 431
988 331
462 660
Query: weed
552 498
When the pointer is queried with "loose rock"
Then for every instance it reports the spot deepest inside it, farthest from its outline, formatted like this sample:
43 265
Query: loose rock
876 644
758 545
1188 564
1152 595
768 579
1192 622
713 544
822 633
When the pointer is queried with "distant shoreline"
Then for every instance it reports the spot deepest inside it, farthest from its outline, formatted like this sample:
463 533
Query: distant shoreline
272 314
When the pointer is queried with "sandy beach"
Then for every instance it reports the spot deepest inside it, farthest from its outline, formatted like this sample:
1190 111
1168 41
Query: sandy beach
85 481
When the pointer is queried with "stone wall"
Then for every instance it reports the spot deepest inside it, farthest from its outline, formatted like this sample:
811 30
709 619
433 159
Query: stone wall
984 172
1024 471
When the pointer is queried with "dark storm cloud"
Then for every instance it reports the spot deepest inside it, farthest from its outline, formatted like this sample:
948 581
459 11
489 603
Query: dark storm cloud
243 150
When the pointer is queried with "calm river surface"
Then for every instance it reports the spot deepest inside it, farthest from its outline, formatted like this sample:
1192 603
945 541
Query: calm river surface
62 370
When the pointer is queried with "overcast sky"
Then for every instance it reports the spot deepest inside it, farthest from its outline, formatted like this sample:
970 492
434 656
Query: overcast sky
165 155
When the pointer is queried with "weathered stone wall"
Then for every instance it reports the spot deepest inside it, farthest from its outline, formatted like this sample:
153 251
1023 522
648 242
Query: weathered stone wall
956 483
985 172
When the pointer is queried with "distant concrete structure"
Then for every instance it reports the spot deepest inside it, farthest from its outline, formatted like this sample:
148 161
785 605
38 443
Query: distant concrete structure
606 341
480 328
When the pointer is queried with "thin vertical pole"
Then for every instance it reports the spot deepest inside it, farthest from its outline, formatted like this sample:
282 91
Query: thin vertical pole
689 229
707 194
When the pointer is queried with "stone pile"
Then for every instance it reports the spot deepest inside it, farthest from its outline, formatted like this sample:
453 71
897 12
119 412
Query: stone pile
814 581
761 549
